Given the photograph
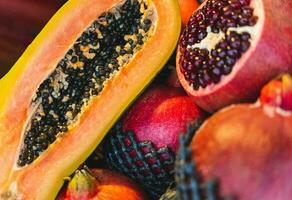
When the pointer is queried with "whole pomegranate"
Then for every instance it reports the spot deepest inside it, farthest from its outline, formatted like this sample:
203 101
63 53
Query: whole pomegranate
231 48
100 184
144 143
248 148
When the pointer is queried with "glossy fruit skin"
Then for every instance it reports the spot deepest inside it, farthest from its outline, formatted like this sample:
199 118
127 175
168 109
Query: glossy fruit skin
278 92
101 184
28 180
251 72
160 115
247 147
187 8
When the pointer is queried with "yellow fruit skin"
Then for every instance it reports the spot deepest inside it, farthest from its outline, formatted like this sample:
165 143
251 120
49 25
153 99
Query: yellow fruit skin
31 182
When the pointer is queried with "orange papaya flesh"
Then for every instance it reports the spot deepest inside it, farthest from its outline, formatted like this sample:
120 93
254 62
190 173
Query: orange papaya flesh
78 85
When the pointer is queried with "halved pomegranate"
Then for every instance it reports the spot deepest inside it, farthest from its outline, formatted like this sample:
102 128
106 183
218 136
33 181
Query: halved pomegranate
231 48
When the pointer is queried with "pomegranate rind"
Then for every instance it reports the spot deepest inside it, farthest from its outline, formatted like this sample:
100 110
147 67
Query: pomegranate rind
268 56
247 147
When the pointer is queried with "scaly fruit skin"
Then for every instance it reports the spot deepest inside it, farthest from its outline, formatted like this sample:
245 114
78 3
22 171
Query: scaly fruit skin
187 7
160 115
100 184
248 148
269 55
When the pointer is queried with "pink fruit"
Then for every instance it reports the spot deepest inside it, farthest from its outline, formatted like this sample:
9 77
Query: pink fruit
160 115
230 49
144 144
248 148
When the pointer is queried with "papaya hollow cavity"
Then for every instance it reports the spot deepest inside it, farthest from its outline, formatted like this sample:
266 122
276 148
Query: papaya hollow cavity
216 36
107 45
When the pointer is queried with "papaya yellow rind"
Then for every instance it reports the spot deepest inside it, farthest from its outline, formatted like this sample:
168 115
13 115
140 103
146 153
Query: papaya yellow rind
8 82
168 23
9 85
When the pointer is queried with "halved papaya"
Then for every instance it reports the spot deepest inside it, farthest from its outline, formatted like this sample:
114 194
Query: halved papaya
73 82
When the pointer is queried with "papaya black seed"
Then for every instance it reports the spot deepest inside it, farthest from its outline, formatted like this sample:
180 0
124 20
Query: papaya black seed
80 75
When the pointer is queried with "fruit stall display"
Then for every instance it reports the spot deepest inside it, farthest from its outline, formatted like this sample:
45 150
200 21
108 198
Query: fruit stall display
146 99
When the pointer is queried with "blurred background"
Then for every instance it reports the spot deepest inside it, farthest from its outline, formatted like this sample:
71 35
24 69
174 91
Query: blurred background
20 22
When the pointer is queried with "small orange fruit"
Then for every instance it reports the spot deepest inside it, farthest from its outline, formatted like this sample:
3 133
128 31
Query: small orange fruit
187 7
100 184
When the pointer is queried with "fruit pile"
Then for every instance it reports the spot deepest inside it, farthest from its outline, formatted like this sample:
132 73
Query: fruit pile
140 99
